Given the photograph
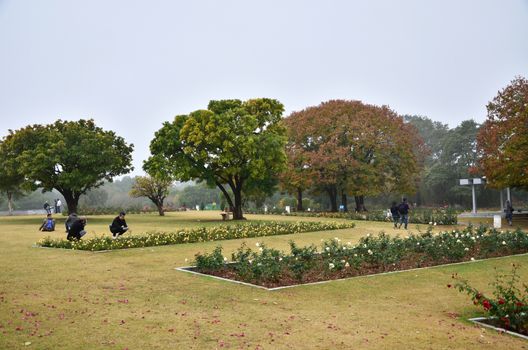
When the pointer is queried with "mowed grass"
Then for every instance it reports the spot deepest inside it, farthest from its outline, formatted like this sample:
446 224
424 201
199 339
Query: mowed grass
63 299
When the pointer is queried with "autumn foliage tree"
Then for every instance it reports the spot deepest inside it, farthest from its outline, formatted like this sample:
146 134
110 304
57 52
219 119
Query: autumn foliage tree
352 148
503 138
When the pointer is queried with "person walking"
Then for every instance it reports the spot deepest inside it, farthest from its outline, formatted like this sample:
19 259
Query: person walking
77 229
509 212
403 208
395 214
119 225
47 207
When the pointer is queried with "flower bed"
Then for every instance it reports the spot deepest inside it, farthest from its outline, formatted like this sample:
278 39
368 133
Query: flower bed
272 268
417 216
202 234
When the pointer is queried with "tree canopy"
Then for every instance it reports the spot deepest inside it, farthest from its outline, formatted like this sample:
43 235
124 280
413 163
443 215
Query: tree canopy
154 188
354 148
232 145
69 156
503 138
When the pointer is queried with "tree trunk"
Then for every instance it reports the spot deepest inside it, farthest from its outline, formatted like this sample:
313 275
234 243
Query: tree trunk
10 202
332 194
237 210
72 201
299 199
360 203
344 201
160 209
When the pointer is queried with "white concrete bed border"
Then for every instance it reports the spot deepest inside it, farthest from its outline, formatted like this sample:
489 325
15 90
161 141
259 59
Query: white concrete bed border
478 320
187 270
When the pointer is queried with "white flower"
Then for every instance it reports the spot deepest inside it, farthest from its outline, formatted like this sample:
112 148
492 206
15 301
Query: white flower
348 243
364 245
473 238
458 241
434 224
250 261
331 266
225 259
186 259
347 265
355 255
280 259
370 252
257 244
466 249
261 249
472 259
417 243
368 234
343 261
430 222
503 243
327 249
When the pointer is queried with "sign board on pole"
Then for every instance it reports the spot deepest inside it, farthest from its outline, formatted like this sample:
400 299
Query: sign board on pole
477 181
464 181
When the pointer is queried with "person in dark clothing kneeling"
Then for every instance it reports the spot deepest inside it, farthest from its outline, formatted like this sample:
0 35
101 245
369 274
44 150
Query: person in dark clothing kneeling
119 225
77 229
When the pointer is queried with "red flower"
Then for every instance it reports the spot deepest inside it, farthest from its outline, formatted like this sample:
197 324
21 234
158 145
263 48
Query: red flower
519 304
478 296
501 301
486 304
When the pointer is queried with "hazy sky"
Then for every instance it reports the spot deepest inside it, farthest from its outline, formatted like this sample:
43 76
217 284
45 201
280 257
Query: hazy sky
131 65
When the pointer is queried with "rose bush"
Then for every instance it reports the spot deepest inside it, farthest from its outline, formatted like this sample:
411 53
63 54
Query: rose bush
508 307
371 254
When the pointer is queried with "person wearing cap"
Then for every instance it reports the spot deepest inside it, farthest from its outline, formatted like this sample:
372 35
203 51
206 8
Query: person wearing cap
119 225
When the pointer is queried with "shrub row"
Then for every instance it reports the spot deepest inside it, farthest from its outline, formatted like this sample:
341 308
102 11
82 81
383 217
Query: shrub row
202 234
426 216
337 259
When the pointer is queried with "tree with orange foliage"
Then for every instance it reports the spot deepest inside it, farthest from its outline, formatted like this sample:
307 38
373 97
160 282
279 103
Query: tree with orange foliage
352 148
503 138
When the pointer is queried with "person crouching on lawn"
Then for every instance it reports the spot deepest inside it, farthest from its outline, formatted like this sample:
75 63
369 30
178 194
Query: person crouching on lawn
77 229
119 225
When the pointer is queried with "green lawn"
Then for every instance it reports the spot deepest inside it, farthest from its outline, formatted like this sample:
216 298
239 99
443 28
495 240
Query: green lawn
62 299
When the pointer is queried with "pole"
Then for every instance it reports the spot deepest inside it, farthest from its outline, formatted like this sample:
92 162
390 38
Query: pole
508 194
474 199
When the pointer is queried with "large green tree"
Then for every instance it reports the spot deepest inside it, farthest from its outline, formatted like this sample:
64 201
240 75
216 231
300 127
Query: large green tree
11 179
69 156
503 138
234 145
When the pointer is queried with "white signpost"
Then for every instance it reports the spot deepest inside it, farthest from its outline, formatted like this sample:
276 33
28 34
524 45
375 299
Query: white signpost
472 182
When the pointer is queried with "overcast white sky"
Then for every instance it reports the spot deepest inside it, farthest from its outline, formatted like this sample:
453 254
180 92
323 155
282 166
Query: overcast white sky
131 65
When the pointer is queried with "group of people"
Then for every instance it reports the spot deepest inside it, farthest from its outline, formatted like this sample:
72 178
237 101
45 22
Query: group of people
57 207
400 213
75 225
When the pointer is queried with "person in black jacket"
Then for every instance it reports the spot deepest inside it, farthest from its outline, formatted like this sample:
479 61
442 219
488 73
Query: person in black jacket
403 208
395 214
119 225
77 229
